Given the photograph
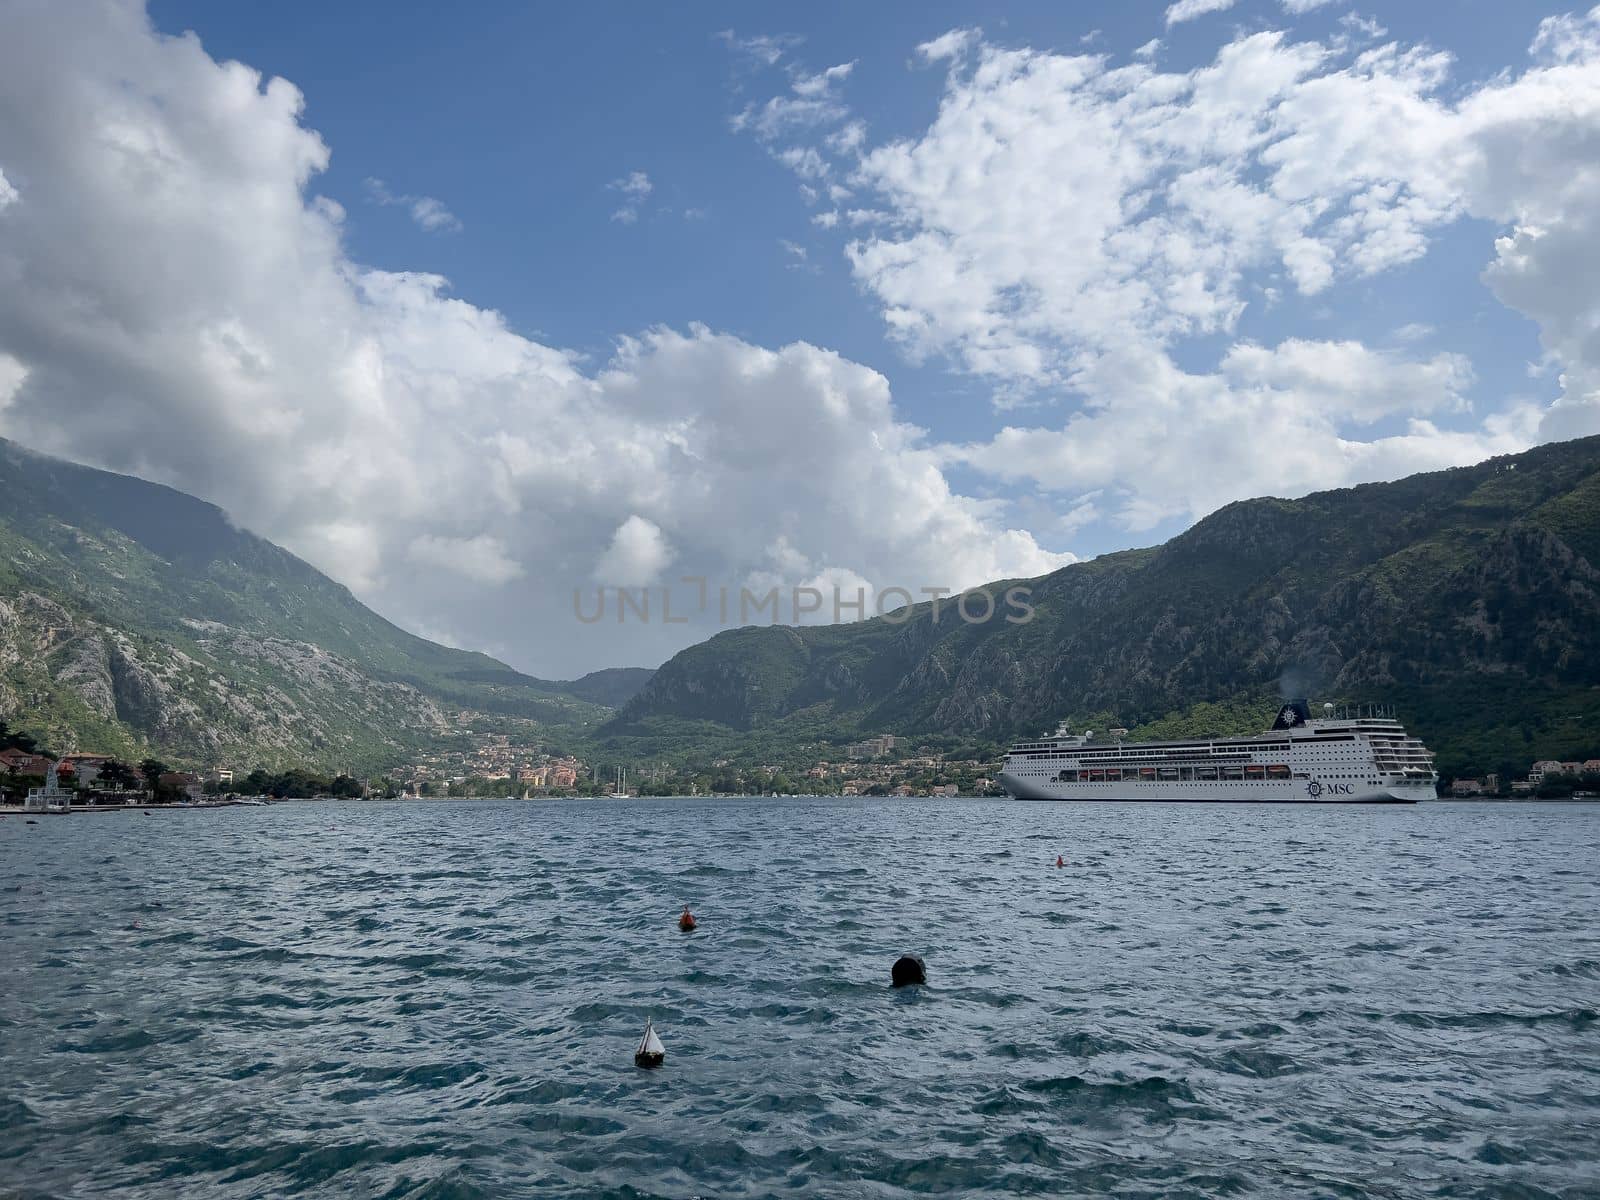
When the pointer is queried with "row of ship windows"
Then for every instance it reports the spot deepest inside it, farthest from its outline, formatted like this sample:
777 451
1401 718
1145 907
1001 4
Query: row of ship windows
1202 756
1216 747
1137 752
1184 775
1174 774
1302 751
1083 759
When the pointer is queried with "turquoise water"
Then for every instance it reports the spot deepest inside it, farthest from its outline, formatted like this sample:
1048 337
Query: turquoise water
442 999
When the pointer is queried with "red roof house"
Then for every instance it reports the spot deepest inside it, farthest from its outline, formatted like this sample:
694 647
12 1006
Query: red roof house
20 762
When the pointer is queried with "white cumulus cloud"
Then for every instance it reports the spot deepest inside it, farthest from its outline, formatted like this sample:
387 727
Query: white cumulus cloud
635 188
1059 205
191 315
637 555
1069 228
481 558
953 44
1188 10
1177 445
428 213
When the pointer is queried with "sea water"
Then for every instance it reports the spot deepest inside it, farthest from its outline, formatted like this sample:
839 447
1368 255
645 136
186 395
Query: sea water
443 999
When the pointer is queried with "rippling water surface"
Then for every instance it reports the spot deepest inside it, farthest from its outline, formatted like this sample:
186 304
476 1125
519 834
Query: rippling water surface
442 999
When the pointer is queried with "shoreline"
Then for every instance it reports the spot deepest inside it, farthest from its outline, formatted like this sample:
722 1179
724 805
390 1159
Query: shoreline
147 807
16 810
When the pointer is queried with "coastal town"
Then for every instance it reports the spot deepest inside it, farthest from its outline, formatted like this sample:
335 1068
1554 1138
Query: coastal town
501 765
1548 778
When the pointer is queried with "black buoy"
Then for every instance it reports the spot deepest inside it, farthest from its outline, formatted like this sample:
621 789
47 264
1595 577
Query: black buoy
908 970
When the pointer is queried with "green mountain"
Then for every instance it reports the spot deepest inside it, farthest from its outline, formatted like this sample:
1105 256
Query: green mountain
612 686
1470 598
135 618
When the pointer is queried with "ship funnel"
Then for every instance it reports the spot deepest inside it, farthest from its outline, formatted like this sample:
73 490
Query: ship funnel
1296 712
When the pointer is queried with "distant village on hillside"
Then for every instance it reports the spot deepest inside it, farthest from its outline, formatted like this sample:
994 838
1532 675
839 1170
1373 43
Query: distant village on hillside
496 764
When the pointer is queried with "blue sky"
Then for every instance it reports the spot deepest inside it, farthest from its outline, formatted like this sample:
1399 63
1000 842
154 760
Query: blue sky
1307 292
517 118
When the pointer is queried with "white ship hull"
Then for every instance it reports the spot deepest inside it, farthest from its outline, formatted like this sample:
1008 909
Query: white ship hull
1220 792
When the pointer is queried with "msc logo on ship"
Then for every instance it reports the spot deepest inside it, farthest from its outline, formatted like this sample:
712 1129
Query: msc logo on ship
1314 788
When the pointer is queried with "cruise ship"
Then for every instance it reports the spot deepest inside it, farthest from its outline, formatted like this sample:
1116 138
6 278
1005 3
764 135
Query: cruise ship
1348 756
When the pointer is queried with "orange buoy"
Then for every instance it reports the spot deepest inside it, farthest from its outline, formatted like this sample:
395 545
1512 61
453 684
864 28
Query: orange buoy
686 922
1059 863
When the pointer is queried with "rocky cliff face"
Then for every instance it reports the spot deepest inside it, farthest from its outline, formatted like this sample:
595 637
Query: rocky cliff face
1465 595
233 697
136 619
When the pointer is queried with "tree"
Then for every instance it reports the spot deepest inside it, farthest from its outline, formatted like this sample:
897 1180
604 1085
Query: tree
153 769
17 741
1556 786
118 775
298 783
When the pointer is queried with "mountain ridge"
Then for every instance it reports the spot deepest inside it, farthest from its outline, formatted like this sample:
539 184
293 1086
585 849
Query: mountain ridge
1459 594
137 617
134 617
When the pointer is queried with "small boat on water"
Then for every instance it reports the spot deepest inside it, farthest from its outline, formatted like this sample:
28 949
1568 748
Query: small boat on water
651 1053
